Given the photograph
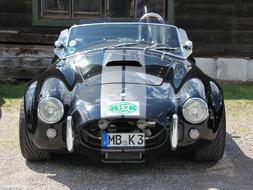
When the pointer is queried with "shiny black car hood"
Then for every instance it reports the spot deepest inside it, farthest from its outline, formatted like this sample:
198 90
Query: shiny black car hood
87 83
122 66
126 75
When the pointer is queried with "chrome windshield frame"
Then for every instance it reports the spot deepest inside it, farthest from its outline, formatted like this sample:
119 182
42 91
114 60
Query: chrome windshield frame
138 48
177 57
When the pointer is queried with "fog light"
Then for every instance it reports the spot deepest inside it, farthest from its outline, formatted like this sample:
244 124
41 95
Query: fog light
51 133
103 124
147 132
194 133
141 124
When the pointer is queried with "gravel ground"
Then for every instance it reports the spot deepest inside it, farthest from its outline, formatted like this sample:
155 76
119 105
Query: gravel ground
234 171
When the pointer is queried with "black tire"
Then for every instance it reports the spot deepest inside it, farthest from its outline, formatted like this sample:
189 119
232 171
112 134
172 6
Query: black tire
214 151
28 149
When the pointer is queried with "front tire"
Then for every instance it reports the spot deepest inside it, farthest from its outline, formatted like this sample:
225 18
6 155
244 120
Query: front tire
215 150
28 149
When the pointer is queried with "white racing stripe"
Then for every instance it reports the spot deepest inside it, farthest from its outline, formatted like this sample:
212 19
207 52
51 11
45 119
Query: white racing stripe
114 88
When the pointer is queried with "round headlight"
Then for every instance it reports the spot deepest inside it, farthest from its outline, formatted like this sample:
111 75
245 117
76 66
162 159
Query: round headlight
195 110
50 110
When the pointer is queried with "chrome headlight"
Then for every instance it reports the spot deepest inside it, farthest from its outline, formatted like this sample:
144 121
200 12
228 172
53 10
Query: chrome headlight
50 110
195 110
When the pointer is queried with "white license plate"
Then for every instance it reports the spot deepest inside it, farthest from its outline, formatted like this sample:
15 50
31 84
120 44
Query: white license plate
123 140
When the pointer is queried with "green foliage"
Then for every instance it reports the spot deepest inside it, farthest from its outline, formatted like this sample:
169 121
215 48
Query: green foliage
238 91
11 94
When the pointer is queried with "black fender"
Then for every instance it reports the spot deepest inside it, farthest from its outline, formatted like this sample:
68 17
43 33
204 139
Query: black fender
62 77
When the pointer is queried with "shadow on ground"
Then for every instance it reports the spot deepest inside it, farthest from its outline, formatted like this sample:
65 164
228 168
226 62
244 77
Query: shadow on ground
1 104
234 171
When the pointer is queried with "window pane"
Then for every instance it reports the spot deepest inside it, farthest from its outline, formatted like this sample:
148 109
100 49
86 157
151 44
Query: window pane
55 8
87 8
156 6
120 8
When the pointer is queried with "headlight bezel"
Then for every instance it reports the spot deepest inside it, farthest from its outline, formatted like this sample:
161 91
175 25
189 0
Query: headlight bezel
54 100
193 100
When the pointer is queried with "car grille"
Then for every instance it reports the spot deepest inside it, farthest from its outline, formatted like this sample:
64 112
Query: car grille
90 133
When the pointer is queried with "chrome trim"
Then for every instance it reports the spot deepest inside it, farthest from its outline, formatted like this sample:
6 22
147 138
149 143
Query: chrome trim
70 135
125 23
53 100
174 132
180 58
155 15
119 23
190 100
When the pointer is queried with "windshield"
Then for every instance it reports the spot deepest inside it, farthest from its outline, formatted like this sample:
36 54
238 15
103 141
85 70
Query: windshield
87 37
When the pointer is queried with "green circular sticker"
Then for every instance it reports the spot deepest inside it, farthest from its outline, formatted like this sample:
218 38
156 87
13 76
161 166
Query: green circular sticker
122 108
71 50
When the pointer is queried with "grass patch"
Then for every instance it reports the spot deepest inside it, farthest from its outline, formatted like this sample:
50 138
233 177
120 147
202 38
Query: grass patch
11 94
238 91
238 97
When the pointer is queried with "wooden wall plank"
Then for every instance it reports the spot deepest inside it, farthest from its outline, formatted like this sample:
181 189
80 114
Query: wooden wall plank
205 24
16 51
24 62
217 27
28 63
20 73
28 38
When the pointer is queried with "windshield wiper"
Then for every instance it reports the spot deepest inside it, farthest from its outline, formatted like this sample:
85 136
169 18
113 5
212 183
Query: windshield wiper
157 46
161 47
121 45
126 44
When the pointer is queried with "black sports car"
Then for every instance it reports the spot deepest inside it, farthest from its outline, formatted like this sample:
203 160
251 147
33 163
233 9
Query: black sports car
123 92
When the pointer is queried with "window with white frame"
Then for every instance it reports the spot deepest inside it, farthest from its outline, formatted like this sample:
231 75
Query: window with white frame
99 8
86 8
120 8
155 6
55 8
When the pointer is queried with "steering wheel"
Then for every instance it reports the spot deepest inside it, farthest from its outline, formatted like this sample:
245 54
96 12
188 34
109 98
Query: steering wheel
154 15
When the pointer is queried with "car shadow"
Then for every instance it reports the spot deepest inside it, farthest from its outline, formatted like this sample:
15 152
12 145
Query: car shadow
172 172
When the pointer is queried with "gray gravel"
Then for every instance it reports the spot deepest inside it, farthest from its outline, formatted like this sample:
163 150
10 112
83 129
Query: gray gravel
234 171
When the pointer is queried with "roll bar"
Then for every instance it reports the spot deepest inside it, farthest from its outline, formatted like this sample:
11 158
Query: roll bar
154 15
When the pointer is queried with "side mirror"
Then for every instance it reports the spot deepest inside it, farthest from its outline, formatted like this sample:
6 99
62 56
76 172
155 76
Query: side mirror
188 45
58 44
59 49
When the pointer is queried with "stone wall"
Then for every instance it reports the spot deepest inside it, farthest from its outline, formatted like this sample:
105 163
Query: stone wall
228 69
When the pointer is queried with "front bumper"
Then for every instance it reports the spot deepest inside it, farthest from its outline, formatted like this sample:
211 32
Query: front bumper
169 139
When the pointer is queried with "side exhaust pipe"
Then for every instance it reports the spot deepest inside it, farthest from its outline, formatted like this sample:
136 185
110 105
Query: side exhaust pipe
174 132
70 135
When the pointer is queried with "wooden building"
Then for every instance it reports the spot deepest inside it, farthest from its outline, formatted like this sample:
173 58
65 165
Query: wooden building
218 28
